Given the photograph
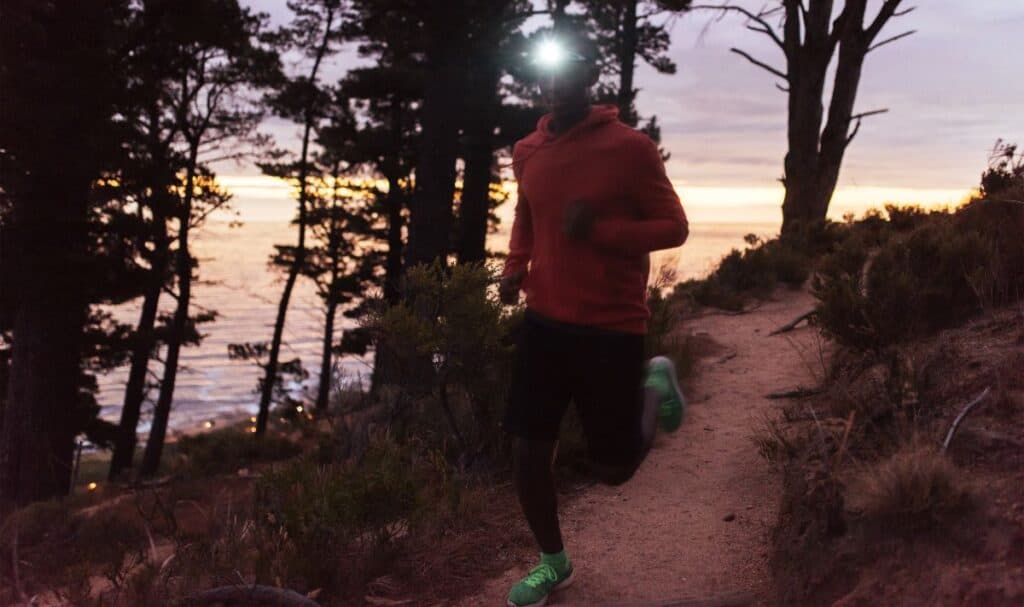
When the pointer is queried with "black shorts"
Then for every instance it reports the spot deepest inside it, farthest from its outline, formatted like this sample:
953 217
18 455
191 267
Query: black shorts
601 372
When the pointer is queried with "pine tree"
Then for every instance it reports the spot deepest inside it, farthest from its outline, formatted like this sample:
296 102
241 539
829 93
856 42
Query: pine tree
60 79
220 60
315 31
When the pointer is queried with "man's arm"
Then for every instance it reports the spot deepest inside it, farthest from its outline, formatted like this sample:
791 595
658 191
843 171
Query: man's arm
520 246
661 222
520 250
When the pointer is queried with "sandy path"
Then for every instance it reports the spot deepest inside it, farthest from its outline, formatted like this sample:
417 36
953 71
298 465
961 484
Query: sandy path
664 535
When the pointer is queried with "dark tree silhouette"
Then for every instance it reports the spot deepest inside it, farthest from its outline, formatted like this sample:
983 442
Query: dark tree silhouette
809 40
387 97
493 47
628 30
446 40
151 176
220 61
315 31
385 146
59 81
343 260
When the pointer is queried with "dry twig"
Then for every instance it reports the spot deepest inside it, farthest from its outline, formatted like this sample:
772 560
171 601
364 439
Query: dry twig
963 414
786 328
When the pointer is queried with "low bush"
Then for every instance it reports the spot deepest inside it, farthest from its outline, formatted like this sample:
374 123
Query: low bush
445 354
230 449
63 550
914 488
943 270
753 272
348 518
663 336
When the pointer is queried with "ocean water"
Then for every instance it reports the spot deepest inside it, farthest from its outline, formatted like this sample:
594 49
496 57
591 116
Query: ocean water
237 282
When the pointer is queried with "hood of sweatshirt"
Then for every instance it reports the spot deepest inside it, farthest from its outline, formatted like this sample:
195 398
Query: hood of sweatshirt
599 116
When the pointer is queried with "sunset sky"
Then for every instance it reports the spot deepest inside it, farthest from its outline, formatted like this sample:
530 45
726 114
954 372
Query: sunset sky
952 90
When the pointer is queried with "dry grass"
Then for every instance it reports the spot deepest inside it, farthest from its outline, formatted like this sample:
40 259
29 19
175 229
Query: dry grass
917 486
772 442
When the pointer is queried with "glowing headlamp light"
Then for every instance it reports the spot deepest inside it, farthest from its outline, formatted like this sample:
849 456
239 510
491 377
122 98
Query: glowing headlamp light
550 54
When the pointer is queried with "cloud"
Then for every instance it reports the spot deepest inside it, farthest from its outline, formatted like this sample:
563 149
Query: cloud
952 89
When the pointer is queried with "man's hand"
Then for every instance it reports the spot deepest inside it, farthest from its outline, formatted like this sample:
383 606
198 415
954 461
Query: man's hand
508 289
578 220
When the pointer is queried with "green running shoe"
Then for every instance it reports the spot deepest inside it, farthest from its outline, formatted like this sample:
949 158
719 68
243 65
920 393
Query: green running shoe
534 589
661 376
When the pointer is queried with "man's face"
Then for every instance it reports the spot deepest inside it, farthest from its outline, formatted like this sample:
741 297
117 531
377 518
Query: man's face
567 86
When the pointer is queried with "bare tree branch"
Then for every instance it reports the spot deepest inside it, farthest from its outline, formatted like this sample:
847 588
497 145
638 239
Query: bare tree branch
859 118
893 39
759 18
887 11
856 129
761 64
871 113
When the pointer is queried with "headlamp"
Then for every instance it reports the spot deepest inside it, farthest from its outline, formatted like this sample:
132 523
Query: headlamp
550 54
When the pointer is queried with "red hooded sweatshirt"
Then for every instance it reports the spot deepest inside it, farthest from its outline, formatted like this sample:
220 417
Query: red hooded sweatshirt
601 281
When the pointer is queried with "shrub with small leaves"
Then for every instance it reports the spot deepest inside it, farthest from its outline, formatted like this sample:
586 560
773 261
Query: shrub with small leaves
753 272
347 517
446 350
228 450
943 269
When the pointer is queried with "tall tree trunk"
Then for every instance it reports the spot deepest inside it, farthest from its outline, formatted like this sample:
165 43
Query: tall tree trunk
836 137
270 370
38 430
331 300
807 65
431 211
135 389
393 261
183 267
58 95
627 63
323 392
476 185
394 202
145 341
815 155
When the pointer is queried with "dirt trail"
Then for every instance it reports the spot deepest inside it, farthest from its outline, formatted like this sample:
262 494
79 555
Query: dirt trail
665 534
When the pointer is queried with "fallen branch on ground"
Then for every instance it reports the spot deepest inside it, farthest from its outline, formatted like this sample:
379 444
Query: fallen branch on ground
786 328
727 357
960 418
249 595
797 393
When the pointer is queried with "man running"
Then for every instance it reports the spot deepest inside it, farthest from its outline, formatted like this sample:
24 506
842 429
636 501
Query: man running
594 201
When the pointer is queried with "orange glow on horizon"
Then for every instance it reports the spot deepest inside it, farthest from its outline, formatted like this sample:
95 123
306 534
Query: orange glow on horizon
259 197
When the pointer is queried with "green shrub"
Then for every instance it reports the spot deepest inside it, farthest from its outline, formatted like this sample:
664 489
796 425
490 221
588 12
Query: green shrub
445 352
753 272
940 272
230 449
327 526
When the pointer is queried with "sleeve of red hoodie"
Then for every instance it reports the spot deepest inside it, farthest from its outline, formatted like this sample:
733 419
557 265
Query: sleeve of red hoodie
520 247
660 222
